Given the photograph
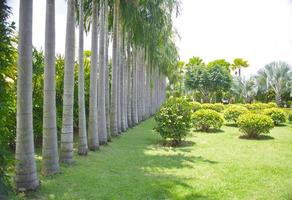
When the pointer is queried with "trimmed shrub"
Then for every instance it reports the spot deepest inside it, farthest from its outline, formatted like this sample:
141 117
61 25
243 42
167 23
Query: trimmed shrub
290 116
253 125
206 119
272 105
278 115
260 106
196 106
174 119
218 107
232 113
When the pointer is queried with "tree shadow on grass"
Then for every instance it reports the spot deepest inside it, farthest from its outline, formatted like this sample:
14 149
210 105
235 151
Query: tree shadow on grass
169 143
234 125
209 131
261 137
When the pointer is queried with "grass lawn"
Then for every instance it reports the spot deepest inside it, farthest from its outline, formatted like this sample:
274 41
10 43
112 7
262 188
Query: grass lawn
209 166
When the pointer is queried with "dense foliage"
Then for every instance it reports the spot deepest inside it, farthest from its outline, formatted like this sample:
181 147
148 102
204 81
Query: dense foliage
253 125
206 119
195 106
174 119
7 92
208 80
277 115
218 107
233 112
290 116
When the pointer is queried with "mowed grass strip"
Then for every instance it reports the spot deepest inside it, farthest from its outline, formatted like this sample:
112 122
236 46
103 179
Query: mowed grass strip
207 166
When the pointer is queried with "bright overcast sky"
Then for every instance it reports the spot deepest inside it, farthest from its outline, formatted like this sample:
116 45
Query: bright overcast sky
257 30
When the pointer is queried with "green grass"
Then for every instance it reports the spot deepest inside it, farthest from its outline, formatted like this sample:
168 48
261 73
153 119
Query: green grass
208 166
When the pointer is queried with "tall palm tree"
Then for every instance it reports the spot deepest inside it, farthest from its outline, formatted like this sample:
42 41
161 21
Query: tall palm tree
82 145
102 131
107 89
114 85
50 161
275 76
25 168
68 97
93 142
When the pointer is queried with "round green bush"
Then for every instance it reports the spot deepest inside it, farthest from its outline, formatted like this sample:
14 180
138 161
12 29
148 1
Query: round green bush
174 119
232 113
196 106
253 125
290 116
272 105
257 106
206 119
218 107
278 115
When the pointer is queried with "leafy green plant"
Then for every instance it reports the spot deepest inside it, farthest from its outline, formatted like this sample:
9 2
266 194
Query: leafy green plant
233 112
174 119
290 116
195 106
253 125
278 115
272 105
218 107
206 119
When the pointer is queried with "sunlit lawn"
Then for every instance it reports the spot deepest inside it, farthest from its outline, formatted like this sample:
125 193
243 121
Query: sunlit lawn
209 166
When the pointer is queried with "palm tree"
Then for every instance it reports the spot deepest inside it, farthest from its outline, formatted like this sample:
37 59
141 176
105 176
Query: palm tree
275 76
25 166
107 89
68 97
102 131
50 161
93 142
82 145
114 91
242 87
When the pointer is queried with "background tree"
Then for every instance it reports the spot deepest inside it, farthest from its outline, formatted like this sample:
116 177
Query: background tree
208 79
276 76
237 64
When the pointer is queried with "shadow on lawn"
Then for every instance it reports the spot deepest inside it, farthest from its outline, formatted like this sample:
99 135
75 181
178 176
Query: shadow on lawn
261 137
209 131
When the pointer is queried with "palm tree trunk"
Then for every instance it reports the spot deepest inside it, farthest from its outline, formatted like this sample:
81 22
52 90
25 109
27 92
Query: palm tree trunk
134 90
102 132
93 142
114 86
278 99
107 89
82 145
129 72
122 85
68 97
50 161
25 166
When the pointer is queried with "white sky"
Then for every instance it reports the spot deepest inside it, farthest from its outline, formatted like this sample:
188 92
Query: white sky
257 30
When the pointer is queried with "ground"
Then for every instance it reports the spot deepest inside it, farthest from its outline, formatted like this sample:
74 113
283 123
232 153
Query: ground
208 166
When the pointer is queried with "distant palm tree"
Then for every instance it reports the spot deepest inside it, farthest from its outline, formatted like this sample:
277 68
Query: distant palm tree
114 85
82 145
245 88
93 142
50 161
276 76
25 166
102 130
68 98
